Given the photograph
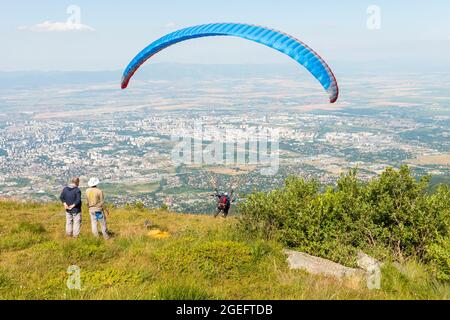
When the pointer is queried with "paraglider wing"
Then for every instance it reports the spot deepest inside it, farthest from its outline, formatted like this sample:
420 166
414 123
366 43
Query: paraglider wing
277 40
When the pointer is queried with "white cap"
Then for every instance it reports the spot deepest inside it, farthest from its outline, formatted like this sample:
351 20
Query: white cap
93 182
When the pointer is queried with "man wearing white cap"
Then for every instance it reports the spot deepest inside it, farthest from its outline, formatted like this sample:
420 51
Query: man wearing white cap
96 204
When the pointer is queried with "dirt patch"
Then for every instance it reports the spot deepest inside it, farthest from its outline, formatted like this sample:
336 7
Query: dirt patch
440 159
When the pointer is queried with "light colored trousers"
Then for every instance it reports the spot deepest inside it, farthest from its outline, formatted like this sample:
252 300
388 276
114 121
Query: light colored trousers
102 224
73 224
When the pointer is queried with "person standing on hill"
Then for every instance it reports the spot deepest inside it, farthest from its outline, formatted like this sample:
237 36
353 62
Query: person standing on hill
96 205
224 203
71 198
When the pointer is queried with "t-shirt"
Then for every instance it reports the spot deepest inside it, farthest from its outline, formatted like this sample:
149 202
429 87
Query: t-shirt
95 199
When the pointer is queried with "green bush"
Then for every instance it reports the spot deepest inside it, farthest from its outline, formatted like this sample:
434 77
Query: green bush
404 217
438 255
95 279
110 278
412 280
392 213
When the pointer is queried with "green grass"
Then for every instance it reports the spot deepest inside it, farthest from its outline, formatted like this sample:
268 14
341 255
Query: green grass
204 258
181 291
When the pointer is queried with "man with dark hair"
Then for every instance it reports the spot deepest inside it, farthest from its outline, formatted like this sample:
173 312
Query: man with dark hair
71 198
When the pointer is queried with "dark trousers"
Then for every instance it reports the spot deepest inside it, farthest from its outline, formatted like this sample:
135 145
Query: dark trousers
224 210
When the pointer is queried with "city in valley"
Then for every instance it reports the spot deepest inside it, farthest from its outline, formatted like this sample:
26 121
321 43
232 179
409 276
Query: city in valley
129 139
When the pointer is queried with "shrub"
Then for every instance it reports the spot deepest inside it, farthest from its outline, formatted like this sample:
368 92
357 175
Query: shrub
402 213
5 281
94 280
34 228
391 211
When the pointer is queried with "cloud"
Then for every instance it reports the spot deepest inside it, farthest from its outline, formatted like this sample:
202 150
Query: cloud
170 24
48 26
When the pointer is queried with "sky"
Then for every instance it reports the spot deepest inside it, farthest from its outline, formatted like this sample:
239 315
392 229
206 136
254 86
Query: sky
50 35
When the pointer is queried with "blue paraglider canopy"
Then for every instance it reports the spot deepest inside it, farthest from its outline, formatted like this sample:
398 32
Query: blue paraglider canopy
277 40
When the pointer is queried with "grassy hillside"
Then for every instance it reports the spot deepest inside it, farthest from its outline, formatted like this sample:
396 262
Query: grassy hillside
204 258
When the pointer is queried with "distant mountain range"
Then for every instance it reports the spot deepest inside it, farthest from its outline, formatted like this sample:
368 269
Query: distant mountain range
173 71
162 71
